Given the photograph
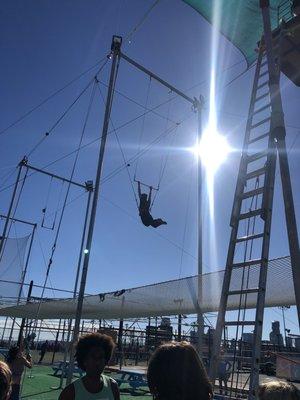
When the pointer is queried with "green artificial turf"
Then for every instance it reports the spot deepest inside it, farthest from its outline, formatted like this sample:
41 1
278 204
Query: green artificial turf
39 386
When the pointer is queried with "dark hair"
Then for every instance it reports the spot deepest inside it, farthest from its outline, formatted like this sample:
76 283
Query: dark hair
12 353
278 390
5 380
87 342
175 372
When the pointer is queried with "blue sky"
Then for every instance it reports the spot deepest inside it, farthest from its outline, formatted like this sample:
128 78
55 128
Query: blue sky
46 44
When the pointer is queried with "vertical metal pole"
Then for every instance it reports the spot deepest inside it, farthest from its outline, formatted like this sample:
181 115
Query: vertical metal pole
23 279
200 320
90 190
116 45
179 327
56 341
89 186
24 319
7 221
120 342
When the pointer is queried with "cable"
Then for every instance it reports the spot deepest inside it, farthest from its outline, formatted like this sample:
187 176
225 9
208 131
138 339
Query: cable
139 24
122 152
23 116
57 122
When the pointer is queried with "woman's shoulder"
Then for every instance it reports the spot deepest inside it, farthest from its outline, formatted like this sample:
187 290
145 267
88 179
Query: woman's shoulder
68 393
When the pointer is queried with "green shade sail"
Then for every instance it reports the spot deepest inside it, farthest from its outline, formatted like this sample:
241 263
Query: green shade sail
240 21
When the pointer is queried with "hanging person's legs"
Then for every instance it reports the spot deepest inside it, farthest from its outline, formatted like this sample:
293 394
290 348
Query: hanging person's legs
158 222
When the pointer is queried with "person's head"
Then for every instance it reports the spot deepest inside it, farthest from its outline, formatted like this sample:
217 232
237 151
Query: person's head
144 197
175 372
5 381
13 353
93 353
278 390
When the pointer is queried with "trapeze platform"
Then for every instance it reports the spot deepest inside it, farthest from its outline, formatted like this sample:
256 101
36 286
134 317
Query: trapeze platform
289 48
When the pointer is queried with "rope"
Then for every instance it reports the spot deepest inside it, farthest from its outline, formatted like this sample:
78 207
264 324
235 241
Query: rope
65 112
122 152
143 123
51 96
139 24
66 198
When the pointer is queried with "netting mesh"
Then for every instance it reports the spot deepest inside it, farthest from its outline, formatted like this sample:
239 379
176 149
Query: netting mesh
11 267
167 298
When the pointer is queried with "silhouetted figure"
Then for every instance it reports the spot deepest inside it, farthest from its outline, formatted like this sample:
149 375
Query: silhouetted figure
144 209
44 348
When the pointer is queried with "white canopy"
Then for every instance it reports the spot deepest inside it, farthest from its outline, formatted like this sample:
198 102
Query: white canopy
166 298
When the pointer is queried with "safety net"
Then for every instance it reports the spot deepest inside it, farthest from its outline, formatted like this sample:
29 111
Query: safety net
240 21
166 298
11 268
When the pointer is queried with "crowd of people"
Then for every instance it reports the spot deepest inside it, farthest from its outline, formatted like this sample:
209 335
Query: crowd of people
175 372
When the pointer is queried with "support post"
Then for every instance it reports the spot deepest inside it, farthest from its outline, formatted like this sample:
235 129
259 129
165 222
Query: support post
120 342
24 319
56 341
116 45
179 327
8 216
200 319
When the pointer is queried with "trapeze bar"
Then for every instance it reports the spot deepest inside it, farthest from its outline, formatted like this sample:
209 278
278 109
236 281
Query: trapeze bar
144 184
157 78
57 176
18 220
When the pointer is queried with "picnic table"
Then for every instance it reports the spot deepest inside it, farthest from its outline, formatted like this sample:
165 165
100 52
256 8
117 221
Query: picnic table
62 367
136 379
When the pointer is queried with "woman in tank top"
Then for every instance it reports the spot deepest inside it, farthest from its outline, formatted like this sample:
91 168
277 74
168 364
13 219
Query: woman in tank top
92 355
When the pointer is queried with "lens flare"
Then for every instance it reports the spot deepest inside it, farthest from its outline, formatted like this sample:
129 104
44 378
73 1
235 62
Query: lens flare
213 150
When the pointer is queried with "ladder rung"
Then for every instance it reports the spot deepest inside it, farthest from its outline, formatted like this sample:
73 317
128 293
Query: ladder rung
243 291
262 96
264 73
262 85
250 237
247 263
257 156
264 63
242 323
253 193
255 173
251 214
258 138
261 109
263 121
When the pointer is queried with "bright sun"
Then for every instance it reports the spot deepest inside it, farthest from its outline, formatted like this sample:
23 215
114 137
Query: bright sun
213 150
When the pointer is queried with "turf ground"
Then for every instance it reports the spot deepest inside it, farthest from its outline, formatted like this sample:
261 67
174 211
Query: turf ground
39 386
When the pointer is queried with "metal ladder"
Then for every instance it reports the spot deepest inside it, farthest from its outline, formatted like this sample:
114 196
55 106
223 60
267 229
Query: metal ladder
246 274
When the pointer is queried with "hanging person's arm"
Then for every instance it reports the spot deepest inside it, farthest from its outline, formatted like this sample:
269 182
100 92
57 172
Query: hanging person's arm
150 197
139 189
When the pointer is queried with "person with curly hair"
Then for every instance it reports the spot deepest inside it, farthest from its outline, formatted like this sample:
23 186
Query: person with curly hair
175 372
5 381
93 353
278 390
17 362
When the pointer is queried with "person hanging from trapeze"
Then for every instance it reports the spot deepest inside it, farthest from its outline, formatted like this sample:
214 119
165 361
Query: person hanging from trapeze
145 207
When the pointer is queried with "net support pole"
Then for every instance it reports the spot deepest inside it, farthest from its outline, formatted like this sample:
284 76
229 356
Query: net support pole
115 48
200 320
24 319
12 201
